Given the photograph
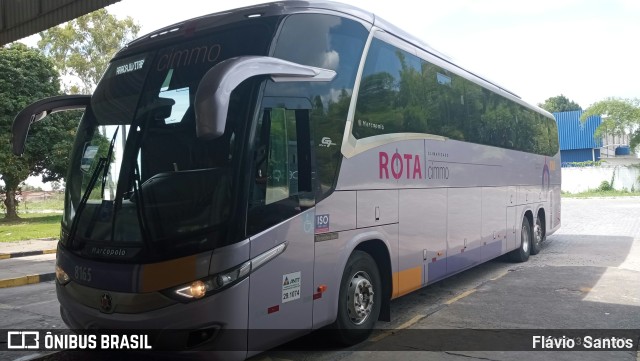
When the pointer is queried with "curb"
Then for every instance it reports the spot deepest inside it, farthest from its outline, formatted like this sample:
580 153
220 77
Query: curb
26 254
27 280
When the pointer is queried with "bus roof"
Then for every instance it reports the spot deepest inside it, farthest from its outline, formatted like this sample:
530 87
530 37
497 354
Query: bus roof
209 21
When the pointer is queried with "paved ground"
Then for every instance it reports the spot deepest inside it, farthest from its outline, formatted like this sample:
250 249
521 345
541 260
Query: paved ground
27 262
27 246
587 276
20 271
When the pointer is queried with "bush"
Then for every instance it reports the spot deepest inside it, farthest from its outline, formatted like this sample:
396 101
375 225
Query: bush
605 186
588 163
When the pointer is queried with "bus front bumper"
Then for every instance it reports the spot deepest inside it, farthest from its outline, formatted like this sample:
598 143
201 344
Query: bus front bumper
217 322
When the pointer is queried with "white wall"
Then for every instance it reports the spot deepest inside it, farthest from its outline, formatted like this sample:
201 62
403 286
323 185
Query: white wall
575 180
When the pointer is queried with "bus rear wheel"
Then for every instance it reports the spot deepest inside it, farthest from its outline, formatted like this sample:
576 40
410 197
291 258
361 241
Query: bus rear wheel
537 237
359 300
521 254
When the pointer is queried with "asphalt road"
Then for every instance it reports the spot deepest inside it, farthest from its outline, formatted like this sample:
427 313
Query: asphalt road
587 276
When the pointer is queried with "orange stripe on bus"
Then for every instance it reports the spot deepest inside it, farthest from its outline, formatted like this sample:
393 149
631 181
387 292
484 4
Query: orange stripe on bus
394 284
158 276
407 281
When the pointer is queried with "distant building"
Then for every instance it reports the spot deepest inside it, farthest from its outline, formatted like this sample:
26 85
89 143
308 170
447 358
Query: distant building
577 143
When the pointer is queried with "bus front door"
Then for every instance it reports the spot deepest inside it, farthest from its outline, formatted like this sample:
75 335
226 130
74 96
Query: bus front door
281 211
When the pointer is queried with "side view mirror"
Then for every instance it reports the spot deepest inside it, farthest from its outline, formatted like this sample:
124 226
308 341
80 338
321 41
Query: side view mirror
214 91
37 111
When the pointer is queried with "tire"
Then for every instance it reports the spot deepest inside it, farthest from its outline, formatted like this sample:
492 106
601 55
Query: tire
359 301
522 253
537 236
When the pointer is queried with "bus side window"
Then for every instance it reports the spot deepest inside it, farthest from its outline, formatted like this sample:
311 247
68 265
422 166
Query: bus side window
282 169
281 160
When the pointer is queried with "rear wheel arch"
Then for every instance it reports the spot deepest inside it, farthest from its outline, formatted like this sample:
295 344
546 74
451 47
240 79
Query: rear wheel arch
528 214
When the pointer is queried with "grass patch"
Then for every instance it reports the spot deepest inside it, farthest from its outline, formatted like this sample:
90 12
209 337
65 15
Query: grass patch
31 226
53 201
601 193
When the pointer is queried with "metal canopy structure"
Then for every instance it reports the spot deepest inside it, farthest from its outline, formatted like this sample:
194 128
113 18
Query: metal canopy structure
21 18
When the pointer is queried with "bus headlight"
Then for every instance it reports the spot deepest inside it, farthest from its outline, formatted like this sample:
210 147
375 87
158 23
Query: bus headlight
200 288
62 276
212 284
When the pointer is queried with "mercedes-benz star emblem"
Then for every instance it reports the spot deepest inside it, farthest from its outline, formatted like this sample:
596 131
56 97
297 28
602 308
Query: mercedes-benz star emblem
106 304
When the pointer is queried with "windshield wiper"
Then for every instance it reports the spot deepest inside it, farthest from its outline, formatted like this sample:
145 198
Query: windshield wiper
136 197
103 163
83 201
139 202
109 154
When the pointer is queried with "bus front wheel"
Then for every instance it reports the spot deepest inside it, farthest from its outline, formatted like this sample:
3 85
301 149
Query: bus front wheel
360 299
521 254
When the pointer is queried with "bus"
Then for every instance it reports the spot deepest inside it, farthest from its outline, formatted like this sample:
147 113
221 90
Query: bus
288 167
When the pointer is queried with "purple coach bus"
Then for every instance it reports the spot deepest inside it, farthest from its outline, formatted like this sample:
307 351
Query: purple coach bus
289 167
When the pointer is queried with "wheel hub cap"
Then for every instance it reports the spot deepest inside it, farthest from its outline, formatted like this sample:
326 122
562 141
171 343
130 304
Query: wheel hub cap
360 298
525 239
537 231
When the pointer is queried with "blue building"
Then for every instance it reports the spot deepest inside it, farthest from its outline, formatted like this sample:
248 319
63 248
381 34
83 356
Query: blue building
577 143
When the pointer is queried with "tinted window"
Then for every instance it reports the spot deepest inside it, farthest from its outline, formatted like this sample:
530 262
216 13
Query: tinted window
403 93
183 188
281 186
334 43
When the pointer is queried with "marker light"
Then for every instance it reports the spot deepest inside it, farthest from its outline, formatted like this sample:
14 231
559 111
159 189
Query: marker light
62 276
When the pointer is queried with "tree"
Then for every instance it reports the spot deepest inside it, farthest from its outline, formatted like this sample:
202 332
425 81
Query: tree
620 116
26 76
558 104
82 48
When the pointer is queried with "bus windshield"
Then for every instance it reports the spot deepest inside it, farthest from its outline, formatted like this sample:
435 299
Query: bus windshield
149 182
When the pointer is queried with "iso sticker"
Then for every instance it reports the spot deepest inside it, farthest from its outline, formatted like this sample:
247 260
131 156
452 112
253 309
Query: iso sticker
322 223
291 287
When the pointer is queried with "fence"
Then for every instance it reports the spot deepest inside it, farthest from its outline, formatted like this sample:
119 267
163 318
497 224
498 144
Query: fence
576 180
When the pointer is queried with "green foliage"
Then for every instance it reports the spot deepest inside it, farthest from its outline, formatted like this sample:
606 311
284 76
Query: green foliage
600 193
26 76
588 163
46 201
605 186
558 104
412 95
619 117
329 122
33 226
3 192
83 47
29 188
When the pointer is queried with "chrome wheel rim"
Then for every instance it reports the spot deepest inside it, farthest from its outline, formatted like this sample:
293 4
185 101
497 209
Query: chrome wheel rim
525 239
537 232
360 298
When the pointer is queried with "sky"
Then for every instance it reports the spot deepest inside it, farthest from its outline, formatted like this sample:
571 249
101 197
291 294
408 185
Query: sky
584 49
